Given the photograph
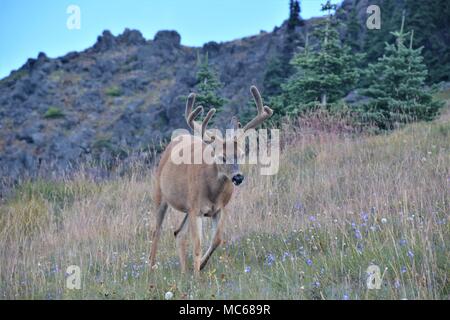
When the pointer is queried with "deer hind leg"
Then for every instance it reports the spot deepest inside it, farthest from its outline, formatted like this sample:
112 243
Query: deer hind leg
157 233
216 240
181 238
195 226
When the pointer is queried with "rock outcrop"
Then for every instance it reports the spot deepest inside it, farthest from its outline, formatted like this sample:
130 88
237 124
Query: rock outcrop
122 95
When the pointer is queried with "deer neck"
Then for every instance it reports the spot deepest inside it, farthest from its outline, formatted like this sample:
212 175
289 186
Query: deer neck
221 184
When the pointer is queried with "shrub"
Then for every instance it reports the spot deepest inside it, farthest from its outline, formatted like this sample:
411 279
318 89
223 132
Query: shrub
54 113
113 91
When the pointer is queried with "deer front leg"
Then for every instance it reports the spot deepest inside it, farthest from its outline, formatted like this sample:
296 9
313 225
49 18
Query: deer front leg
181 239
195 226
217 232
157 233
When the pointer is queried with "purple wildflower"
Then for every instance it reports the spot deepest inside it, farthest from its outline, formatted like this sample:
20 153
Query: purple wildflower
270 259
298 205
54 269
364 216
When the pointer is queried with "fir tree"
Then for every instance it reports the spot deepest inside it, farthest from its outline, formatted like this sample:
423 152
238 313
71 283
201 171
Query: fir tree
376 38
279 68
293 39
352 36
294 14
431 21
397 85
274 76
208 86
325 73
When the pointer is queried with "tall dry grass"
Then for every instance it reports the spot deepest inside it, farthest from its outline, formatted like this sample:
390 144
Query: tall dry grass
338 204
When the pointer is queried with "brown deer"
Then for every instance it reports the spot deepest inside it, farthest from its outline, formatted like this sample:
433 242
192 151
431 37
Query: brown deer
200 190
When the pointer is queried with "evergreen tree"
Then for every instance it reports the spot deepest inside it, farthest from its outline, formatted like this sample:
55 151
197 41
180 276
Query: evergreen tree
274 76
325 73
376 38
397 85
279 68
208 86
293 39
431 21
354 29
294 14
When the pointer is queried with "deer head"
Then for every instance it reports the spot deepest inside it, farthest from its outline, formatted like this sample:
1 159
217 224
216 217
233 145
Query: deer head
228 152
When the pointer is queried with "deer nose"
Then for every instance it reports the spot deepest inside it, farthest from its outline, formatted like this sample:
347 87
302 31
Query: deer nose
237 179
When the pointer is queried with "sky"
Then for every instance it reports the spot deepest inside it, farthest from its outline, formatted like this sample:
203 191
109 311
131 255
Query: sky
28 27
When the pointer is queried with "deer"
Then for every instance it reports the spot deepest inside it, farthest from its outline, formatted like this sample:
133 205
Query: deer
200 190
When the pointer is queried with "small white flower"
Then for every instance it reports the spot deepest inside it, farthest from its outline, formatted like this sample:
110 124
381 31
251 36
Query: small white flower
384 220
168 295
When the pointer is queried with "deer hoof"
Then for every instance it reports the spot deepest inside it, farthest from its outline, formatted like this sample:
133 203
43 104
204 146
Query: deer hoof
203 265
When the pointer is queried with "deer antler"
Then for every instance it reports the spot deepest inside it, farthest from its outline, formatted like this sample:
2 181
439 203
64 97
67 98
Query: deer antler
264 112
191 115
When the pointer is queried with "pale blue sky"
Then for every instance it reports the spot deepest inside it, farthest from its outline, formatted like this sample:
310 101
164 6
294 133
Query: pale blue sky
28 27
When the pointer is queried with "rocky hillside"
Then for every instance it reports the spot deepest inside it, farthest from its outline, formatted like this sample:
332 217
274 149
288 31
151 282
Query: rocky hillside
122 94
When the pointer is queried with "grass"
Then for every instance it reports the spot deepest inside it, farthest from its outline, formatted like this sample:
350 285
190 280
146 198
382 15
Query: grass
15 76
337 206
54 113
113 91
443 95
104 143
